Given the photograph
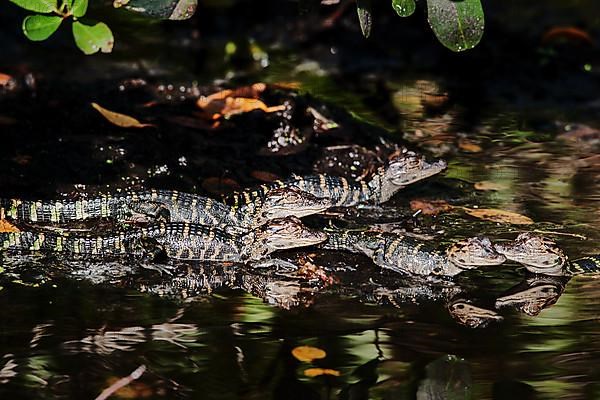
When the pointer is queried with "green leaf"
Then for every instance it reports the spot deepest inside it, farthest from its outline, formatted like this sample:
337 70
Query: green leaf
68 3
93 38
163 9
404 8
363 8
458 25
40 27
79 8
41 6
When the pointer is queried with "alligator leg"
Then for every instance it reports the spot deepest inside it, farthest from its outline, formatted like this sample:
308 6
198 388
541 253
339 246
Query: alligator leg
142 212
153 256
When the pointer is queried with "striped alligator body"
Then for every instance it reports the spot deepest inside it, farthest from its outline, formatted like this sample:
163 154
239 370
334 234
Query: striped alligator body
171 206
409 256
541 255
401 170
178 240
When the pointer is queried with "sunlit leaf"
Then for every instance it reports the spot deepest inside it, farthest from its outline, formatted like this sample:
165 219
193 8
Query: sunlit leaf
163 9
240 105
40 27
312 372
468 146
93 38
404 8
41 6
363 8
458 25
6 226
308 353
79 8
118 119
495 215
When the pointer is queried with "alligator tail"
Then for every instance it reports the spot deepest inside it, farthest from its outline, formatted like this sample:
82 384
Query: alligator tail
585 265
59 211
71 244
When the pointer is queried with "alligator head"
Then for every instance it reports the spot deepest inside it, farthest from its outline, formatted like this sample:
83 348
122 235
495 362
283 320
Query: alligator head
533 295
284 233
470 315
539 254
474 252
283 202
404 168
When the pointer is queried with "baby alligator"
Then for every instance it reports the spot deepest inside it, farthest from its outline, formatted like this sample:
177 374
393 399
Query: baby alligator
401 170
541 255
171 206
409 256
178 240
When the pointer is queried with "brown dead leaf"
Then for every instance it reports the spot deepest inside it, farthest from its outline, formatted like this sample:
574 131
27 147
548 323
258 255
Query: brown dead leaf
570 33
495 215
218 186
264 176
308 353
312 372
118 119
135 390
430 207
469 146
489 185
7 227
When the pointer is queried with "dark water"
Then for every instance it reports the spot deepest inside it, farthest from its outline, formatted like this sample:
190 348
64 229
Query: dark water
523 130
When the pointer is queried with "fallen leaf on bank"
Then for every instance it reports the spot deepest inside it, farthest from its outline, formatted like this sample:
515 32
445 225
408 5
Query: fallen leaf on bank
469 146
6 227
118 119
308 353
264 176
430 207
135 390
567 33
240 105
489 185
495 215
220 186
312 372
4 79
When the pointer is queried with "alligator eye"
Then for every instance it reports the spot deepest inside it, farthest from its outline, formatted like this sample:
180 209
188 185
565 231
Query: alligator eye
460 306
437 270
462 260
546 262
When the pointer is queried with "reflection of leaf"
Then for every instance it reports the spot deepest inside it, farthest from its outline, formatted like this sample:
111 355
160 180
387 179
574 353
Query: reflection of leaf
93 38
468 146
121 120
491 214
489 185
363 8
163 9
6 226
458 25
404 8
40 27
308 353
430 207
312 372
41 6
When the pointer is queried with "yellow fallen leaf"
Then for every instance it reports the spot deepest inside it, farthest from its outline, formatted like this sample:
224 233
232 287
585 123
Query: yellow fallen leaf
491 214
308 353
488 185
6 227
118 119
312 372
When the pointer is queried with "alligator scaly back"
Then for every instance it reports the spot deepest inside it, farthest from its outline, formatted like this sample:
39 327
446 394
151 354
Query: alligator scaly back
401 170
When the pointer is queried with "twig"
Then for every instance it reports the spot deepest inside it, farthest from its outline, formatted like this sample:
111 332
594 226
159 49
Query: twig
582 237
136 374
